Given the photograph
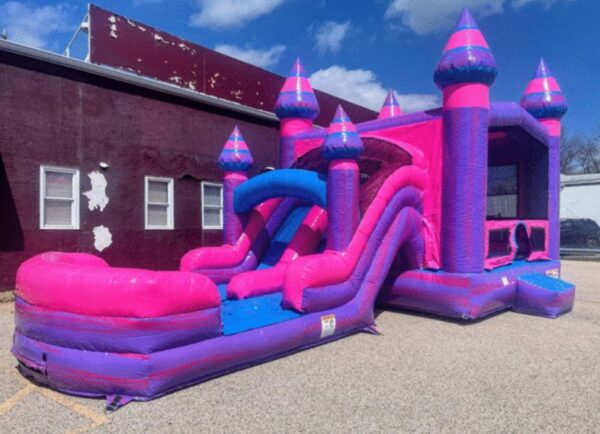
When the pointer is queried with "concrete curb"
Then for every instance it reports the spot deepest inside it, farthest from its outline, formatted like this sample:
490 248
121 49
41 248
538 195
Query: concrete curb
580 258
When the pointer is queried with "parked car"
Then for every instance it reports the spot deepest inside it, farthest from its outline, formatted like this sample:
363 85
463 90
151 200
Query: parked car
579 233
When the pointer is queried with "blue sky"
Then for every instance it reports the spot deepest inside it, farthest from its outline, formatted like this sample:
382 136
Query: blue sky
357 48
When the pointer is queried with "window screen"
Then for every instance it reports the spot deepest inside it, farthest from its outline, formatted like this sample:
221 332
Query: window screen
59 198
212 205
159 203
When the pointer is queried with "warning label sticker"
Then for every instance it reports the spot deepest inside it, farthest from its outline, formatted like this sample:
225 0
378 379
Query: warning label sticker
505 281
327 325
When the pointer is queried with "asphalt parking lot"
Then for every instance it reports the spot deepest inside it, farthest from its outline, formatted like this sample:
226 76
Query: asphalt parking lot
507 373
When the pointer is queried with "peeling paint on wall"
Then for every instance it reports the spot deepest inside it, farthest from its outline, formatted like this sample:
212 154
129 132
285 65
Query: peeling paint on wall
97 197
102 238
158 37
237 94
113 26
182 63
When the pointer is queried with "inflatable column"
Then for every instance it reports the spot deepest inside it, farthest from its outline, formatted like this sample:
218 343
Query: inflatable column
341 148
390 107
465 72
235 160
544 100
297 108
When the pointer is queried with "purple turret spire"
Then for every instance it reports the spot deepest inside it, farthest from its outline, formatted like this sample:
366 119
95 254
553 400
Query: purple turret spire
466 57
542 97
235 156
297 98
390 107
342 141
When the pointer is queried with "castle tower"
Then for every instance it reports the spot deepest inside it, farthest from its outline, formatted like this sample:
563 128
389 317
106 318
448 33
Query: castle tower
544 100
341 148
297 108
390 107
465 72
235 160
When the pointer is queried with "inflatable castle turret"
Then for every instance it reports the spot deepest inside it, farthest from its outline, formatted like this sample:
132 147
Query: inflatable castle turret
341 148
390 107
544 100
297 108
465 72
235 160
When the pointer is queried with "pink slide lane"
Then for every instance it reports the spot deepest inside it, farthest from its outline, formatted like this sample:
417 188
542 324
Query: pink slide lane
229 256
85 284
269 280
332 267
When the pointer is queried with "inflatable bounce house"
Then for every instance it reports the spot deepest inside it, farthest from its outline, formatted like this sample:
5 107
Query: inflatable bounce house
390 212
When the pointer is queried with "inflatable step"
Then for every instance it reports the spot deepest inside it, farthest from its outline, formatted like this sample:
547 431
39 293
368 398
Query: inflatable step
538 294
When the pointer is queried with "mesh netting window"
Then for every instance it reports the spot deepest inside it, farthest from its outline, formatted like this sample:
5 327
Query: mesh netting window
538 239
499 242
502 192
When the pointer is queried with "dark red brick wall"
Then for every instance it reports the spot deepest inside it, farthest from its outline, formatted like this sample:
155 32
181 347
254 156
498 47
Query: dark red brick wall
50 115
141 49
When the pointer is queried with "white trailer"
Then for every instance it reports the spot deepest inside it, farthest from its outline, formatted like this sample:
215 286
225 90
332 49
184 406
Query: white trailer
580 211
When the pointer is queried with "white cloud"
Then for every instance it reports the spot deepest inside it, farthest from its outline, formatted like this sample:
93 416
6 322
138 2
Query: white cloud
362 87
232 13
430 16
545 3
34 26
331 35
414 102
263 58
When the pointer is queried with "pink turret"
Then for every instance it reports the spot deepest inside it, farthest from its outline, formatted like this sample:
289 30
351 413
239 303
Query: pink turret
544 100
235 160
341 148
297 108
390 107
465 73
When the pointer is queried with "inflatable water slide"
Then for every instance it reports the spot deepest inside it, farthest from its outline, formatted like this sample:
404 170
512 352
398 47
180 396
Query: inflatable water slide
390 211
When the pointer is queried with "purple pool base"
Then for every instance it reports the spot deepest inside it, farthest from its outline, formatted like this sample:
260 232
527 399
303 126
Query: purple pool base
146 376
471 296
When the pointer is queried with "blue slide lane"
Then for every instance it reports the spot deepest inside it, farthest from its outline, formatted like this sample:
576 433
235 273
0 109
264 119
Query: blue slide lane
283 237
250 313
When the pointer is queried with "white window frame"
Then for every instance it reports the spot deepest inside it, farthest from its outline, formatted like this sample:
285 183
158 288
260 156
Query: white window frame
170 205
203 206
75 198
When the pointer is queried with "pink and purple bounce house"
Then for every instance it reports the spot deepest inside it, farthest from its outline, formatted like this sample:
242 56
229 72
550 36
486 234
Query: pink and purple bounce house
394 212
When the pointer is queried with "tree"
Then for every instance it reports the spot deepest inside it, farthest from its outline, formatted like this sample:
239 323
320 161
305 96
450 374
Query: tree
580 155
569 149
